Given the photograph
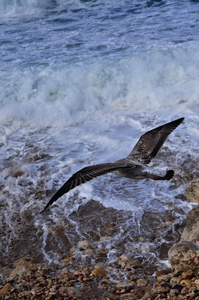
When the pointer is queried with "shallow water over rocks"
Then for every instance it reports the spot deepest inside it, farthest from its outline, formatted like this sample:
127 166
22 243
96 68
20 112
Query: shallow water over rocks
110 233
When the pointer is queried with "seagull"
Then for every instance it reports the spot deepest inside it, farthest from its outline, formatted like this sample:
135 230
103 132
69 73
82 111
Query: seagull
133 166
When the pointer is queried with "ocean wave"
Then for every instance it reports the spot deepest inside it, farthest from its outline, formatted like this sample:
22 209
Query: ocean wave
68 94
18 8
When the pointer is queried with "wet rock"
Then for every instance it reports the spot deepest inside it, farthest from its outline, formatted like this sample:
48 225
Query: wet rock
88 252
192 191
126 261
123 260
5 271
196 282
184 291
135 263
174 281
24 265
124 257
98 271
164 278
182 252
186 283
187 274
174 292
104 238
141 282
148 295
67 259
6 289
86 244
191 231
125 285
74 292
144 249
163 272
142 239
164 248
125 296
159 289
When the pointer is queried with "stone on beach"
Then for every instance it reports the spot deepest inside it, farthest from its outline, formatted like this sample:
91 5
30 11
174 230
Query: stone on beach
98 271
191 231
125 285
6 289
74 292
180 253
192 191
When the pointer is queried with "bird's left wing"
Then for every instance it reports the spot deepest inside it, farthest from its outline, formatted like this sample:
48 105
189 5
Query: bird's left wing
150 142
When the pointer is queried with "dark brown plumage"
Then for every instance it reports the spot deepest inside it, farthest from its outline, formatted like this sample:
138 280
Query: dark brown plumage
132 166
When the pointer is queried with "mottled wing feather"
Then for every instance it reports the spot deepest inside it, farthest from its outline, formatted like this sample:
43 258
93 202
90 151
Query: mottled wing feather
82 176
150 142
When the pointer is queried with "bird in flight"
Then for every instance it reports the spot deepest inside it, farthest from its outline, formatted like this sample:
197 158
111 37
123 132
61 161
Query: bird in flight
133 166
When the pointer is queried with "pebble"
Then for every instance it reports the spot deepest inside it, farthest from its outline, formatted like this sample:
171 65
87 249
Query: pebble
186 283
67 259
88 252
125 285
148 295
159 289
98 270
184 291
86 244
74 292
192 191
174 281
6 271
6 289
187 274
196 281
123 260
174 292
104 238
164 278
124 257
141 282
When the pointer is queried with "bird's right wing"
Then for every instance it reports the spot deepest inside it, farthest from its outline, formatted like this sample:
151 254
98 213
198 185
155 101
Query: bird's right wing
82 176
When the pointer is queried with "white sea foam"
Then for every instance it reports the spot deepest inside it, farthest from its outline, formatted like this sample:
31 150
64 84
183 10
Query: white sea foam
62 96
18 8
13 8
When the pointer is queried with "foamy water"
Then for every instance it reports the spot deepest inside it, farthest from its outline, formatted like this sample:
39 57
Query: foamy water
79 84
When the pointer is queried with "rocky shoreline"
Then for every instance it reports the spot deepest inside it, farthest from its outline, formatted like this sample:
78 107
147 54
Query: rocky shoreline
29 279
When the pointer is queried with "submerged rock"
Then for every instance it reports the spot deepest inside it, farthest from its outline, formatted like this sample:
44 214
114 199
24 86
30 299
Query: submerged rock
85 244
74 292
